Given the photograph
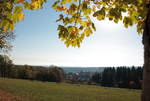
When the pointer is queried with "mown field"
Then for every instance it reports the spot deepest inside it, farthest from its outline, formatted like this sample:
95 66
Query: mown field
47 91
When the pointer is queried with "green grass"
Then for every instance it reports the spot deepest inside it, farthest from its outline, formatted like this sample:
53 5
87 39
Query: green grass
47 91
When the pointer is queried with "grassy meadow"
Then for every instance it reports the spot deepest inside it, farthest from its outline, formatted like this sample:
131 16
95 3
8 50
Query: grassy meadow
48 91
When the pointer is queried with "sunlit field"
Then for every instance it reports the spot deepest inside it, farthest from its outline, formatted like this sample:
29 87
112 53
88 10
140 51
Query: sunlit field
47 91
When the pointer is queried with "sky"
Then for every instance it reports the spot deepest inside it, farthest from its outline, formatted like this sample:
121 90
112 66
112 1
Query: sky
37 43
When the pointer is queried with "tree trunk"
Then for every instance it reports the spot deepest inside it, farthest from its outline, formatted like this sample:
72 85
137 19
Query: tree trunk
146 71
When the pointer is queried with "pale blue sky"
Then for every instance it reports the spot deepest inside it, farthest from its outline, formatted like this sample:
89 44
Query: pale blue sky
37 43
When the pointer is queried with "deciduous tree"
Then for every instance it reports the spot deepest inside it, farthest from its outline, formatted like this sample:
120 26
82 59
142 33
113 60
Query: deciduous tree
5 66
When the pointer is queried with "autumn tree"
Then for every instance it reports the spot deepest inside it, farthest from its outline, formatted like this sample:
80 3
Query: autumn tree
51 74
5 66
5 35
56 73
76 23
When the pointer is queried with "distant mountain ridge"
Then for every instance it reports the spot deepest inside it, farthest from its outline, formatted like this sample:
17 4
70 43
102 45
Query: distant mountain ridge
83 69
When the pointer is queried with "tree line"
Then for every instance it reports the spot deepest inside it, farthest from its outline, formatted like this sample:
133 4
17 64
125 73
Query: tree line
123 77
40 73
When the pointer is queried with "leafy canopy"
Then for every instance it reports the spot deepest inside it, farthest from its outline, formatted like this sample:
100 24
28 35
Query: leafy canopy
74 18
11 12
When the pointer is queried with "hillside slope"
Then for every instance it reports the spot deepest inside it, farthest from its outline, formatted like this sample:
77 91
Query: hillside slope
47 91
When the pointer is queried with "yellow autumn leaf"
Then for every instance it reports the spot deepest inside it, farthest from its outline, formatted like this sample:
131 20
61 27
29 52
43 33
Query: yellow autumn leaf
88 32
5 29
35 5
12 27
83 23
65 1
65 11
20 1
9 5
61 8
20 16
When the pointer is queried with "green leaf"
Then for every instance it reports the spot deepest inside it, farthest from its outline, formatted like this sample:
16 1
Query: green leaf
65 1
